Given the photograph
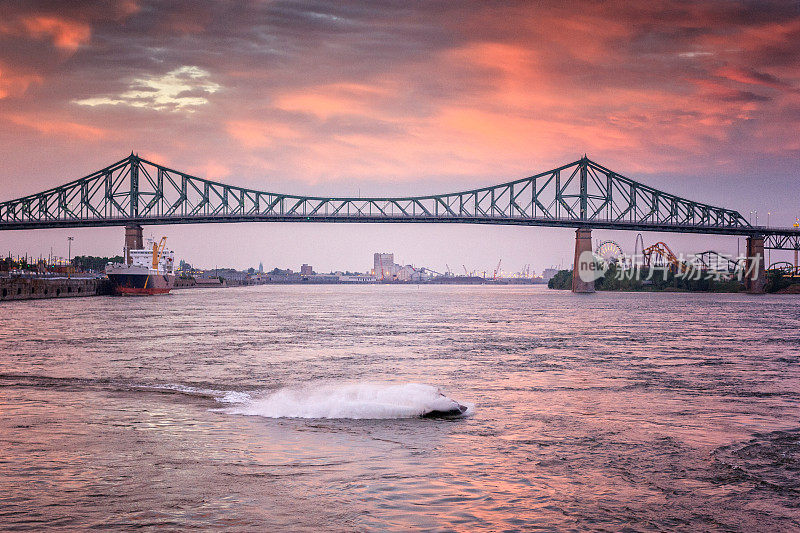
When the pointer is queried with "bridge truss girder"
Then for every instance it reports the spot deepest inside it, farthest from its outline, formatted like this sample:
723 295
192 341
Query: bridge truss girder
580 194
789 240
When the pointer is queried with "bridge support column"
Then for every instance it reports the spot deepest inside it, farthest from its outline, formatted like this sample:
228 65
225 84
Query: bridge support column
133 240
755 276
583 244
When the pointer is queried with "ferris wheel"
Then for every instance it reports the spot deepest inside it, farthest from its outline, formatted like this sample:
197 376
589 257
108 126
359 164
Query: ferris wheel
609 250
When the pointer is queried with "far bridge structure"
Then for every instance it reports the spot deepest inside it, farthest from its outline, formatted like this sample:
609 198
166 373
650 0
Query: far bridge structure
582 195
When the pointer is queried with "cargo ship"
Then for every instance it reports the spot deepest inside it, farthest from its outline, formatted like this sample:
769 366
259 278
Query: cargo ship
150 270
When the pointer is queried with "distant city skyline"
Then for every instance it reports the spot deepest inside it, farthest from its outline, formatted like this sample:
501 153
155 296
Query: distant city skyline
444 251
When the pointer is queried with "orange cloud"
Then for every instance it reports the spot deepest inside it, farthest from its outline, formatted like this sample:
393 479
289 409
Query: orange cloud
320 105
57 127
156 157
259 134
65 34
752 77
325 101
12 84
126 8
185 21
211 169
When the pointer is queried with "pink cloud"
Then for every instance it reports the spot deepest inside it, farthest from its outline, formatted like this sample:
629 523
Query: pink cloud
253 134
15 84
56 127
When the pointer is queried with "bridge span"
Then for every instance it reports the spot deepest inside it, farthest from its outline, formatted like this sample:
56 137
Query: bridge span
581 195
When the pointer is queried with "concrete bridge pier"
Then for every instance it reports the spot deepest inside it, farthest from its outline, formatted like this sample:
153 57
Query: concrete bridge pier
133 240
583 262
755 276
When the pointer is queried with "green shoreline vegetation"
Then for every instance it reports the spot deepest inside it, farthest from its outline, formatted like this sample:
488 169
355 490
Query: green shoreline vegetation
654 280
81 263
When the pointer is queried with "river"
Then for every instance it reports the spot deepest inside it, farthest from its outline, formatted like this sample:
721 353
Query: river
294 408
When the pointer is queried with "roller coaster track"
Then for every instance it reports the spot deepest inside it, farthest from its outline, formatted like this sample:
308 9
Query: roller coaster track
785 268
660 254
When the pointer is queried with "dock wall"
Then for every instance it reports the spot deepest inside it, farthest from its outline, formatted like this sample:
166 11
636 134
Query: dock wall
19 288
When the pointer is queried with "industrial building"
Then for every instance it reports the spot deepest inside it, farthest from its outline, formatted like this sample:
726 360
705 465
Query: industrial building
384 267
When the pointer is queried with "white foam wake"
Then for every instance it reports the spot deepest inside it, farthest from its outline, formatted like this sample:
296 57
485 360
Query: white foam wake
365 400
219 395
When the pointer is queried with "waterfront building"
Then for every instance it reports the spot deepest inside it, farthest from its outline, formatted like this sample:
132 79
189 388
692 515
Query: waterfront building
357 278
548 273
385 267
406 273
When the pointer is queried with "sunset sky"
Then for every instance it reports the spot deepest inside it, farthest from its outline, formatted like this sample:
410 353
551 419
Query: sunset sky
379 98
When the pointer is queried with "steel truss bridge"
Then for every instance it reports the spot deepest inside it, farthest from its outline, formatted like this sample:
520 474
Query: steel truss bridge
579 194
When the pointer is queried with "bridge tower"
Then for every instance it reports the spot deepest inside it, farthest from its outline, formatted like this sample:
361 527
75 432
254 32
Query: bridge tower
133 240
583 261
755 274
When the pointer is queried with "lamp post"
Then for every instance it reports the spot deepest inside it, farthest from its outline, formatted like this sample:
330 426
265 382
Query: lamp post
769 251
69 254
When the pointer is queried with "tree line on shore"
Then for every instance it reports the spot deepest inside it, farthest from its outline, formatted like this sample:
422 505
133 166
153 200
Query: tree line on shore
82 263
647 279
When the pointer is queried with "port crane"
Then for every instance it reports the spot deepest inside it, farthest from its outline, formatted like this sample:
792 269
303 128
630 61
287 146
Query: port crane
497 270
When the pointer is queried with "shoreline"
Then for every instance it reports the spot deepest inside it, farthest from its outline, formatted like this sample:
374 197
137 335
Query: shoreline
41 288
23 289
790 290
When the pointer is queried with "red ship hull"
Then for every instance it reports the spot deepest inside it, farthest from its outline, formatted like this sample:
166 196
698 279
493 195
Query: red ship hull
132 291
127 283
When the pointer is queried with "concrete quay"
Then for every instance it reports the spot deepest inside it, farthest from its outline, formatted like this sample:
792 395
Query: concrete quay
24 288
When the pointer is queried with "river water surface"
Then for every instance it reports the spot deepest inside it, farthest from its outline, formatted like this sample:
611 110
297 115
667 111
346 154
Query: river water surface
294 408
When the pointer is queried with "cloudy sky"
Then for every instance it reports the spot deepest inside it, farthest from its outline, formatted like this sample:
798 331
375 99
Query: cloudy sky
701 99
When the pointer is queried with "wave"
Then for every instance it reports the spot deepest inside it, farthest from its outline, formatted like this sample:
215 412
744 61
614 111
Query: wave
362 400
772 460
118 385
345 400
222 396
